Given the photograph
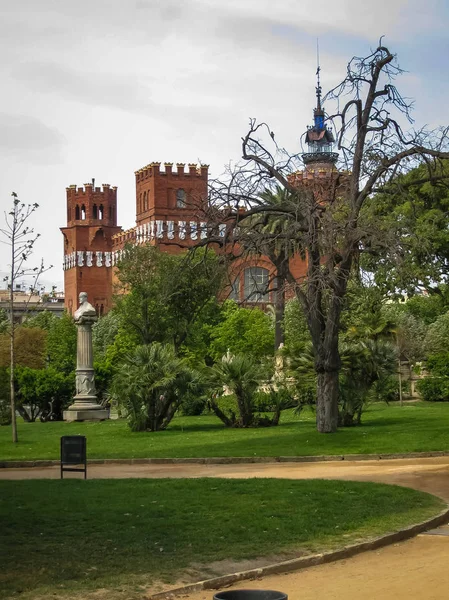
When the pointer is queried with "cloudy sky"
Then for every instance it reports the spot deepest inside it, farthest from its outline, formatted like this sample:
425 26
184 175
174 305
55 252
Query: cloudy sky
99 88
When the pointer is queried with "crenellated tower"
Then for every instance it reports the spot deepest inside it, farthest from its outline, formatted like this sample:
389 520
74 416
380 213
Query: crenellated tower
168 193
91 223
171 205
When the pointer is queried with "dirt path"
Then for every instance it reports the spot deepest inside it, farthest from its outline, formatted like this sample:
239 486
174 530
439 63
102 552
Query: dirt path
414 570
427 474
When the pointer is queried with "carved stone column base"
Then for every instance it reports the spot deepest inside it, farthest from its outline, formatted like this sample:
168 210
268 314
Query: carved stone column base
85 402
100 414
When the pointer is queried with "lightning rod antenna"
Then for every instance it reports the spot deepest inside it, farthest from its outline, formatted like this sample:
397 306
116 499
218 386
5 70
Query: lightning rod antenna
318 69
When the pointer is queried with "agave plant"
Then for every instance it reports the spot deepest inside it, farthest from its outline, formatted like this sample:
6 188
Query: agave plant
151 384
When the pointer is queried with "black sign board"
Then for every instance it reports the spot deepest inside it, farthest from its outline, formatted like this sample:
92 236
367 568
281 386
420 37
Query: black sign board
73 454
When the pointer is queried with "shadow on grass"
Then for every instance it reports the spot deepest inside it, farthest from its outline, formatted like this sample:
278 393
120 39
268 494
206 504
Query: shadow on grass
188 428
381 422
196 427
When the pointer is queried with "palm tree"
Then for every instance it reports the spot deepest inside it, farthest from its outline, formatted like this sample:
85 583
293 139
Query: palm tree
274 227
150 385
241 375
365 363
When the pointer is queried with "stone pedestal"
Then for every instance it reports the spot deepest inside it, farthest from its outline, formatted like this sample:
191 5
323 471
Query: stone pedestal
85 405
72 414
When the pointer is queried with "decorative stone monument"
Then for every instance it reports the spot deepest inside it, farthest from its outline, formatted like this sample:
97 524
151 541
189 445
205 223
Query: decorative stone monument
85 406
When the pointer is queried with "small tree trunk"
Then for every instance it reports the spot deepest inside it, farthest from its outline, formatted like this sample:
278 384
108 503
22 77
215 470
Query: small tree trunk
276 415
327 402
24 414
15 438
221 415
245 408
400 382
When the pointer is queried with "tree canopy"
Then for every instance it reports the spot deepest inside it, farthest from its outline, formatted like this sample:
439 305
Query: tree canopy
247 331
161 296
410 217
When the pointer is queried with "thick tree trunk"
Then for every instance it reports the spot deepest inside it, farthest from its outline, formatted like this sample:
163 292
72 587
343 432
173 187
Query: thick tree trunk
279 315
327 402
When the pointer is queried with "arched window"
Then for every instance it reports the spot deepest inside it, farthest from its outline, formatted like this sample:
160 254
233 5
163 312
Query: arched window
256 284
83 213
69 213
145 201
101 310
180 198
77 213
140 203
94 212
100 212
110 212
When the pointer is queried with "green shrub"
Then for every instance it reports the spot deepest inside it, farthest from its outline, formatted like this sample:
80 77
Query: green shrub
438 364
43 393
193 405
5 412
306 396
5 407
434 389
269 401
387 389
245 331
228 404
264 402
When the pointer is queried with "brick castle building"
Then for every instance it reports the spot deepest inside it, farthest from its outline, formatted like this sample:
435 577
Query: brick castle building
169 205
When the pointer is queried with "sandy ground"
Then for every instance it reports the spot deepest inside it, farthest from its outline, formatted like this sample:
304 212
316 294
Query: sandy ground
413 570
417 569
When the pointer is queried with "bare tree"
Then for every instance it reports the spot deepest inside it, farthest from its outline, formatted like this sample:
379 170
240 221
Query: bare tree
322 208
21 239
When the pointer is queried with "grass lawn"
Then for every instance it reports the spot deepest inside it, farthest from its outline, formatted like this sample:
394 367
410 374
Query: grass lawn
72 536
413 428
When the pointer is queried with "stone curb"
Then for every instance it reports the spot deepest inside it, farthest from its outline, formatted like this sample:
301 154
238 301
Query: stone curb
296 564
225 460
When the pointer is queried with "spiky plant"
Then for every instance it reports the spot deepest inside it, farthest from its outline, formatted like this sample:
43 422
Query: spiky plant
151 384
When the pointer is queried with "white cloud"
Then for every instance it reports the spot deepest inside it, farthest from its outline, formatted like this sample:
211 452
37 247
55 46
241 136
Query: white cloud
98 89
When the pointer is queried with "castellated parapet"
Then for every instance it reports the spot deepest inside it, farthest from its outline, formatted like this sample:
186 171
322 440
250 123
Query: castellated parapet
324 179
170 192
90 205
154 169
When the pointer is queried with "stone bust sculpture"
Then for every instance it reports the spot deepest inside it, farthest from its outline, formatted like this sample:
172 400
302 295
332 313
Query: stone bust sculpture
85 309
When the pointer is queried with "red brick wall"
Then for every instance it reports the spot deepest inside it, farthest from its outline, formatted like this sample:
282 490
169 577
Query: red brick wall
156 199
156 192
93 233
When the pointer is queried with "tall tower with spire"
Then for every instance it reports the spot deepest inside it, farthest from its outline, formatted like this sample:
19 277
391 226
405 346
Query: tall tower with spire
320 171
319 138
